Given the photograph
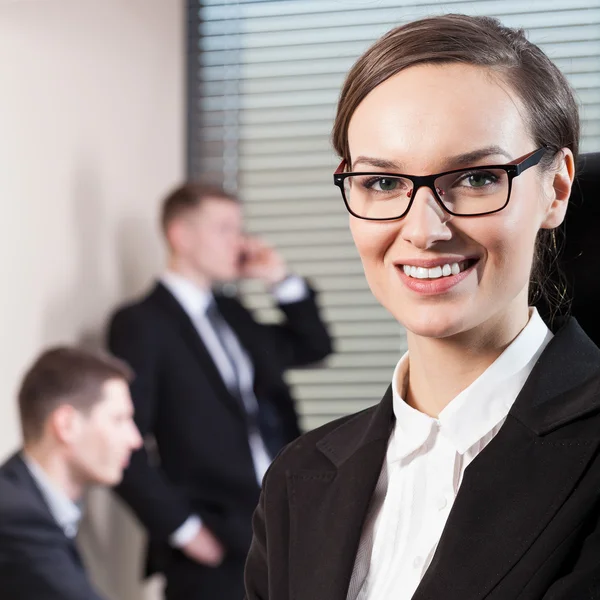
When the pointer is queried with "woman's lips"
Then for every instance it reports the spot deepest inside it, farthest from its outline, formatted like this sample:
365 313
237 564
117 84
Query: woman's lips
437 278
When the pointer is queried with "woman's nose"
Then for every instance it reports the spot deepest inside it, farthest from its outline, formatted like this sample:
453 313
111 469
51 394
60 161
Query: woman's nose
426 221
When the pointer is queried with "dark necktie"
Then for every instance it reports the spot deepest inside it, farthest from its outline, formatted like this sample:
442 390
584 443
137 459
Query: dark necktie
220 327
264 421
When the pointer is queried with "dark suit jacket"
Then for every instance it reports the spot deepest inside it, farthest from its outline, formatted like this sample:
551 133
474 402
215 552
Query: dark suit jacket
200 430
524 525
37 560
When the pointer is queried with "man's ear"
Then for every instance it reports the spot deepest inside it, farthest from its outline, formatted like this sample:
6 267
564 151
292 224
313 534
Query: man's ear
64 423
559 190
176 234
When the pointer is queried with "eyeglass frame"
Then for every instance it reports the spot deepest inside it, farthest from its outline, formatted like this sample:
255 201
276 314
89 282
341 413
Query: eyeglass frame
512 170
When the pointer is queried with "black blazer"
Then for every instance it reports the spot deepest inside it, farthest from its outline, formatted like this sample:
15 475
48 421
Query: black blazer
37 560
525 522
199 428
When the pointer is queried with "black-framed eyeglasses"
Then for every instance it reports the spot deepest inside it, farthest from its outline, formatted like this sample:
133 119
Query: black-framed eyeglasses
470 192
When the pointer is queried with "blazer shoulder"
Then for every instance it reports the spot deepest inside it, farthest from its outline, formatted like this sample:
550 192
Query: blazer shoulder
143 308
21 510
303 452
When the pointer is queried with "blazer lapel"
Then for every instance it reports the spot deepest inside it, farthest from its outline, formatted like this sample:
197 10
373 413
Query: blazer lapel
17 470
193 340
328 507
518 483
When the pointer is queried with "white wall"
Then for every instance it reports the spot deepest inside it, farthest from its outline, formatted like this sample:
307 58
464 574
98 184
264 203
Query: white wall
91 137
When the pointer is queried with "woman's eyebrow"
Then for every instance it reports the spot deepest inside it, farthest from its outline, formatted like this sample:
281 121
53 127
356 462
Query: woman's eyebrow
380 163
468 158
457 161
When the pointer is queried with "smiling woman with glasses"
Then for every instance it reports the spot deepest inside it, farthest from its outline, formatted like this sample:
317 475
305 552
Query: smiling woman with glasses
477 476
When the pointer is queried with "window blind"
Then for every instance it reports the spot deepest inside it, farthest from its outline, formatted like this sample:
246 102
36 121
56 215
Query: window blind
263 81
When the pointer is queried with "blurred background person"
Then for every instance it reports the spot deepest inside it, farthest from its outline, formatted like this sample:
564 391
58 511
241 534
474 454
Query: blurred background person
209 388
78 430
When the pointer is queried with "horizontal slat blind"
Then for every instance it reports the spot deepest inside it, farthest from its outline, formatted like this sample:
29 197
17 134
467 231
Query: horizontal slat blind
264 77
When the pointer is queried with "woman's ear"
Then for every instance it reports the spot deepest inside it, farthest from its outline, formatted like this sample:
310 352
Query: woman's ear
560 190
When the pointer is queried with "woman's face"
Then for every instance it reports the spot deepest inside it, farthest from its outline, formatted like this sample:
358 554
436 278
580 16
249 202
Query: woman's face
420 122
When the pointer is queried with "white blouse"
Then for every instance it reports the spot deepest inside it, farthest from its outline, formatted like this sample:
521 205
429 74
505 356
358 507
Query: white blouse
424 467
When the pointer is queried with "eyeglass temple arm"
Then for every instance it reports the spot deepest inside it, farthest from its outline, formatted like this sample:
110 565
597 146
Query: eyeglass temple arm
341 167
532 160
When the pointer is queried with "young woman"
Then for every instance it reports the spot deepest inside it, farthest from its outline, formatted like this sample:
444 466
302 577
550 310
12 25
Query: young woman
478 474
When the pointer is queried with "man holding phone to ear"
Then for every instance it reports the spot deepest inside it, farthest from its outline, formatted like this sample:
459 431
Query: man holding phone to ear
209 389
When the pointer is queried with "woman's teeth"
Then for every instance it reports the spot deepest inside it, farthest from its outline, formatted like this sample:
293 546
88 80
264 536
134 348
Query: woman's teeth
435 273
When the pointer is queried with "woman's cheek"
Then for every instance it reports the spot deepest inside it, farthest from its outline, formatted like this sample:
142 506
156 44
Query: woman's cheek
372 239
372 248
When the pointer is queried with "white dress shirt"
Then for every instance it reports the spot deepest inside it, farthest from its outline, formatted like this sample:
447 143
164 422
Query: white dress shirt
424 466
65 512
195 301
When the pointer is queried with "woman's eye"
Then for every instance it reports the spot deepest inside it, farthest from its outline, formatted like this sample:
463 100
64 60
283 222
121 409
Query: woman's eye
477 180
383 184
387 184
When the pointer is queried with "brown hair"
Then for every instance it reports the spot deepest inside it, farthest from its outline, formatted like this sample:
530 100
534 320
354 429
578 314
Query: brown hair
552 112
64 375
190 196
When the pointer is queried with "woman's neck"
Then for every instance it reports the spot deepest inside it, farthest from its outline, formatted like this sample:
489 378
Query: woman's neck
439 369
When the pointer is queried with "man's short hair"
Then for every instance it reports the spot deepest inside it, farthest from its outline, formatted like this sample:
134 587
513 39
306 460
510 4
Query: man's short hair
190 196
65 375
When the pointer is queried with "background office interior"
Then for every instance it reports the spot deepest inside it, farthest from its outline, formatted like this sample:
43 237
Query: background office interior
106 105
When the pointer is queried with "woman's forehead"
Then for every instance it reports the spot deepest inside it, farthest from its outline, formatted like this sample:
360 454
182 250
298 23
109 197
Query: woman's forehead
431 110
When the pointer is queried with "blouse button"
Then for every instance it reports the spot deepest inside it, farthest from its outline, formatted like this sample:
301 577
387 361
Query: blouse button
418 562
442 502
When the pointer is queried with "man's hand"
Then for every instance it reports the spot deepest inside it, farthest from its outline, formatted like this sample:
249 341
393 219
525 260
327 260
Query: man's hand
205 549
262 261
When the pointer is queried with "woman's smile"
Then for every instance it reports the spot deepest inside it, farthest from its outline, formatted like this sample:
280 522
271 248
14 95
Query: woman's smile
438 278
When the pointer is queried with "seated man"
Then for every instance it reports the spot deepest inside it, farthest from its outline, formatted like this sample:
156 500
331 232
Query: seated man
78 429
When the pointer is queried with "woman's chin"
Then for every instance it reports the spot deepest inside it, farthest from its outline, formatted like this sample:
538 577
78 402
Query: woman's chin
434 323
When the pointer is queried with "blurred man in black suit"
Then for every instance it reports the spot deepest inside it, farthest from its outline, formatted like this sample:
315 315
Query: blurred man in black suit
78 429
209 389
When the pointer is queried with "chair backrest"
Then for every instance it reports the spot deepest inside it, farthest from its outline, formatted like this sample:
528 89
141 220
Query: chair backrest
580 258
